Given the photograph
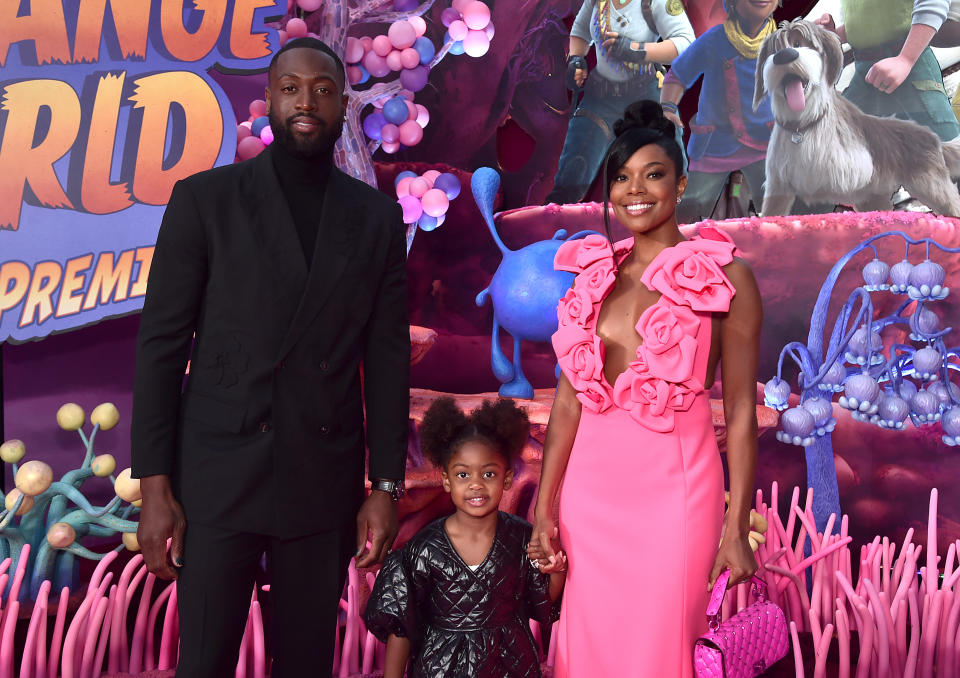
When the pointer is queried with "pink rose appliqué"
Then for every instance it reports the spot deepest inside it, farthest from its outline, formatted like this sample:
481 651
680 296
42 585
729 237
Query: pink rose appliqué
690 277
595 397
580 355
651 401
576 255
597 280
669 346
707 234
576 308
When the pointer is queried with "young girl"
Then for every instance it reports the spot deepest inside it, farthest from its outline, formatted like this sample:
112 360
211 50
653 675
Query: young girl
459 595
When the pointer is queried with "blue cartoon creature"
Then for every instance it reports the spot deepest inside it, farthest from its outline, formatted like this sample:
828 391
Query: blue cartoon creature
524 290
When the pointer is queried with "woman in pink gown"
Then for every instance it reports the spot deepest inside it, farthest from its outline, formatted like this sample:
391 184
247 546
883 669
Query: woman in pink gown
630 447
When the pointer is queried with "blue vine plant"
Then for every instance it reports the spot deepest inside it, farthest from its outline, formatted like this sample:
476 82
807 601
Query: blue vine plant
886 390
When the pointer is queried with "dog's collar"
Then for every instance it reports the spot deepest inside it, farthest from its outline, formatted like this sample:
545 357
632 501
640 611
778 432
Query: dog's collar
797 131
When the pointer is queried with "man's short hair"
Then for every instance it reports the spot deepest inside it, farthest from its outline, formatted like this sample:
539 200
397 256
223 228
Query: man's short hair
311 43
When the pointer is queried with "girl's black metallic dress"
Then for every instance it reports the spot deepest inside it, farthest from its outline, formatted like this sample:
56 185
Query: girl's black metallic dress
463 623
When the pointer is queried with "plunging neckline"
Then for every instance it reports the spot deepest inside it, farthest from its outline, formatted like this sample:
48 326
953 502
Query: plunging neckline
661 380
603 360
474 569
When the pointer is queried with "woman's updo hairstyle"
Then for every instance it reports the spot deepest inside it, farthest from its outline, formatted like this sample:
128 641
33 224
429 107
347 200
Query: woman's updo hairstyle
500 424
643 123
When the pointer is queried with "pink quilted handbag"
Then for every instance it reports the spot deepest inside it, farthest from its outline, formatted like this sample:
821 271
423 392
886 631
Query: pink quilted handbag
745 645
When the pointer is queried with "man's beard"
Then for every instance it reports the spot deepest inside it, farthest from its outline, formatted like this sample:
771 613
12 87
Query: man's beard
321 144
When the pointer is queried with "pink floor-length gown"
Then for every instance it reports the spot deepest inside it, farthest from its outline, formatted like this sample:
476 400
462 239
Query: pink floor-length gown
641 506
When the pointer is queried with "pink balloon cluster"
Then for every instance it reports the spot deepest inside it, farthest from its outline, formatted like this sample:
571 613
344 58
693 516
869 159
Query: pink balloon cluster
253 135
396 122
297 27
469 27
403 49
425 199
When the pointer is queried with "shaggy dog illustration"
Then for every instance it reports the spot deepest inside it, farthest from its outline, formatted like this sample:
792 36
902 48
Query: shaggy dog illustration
825 149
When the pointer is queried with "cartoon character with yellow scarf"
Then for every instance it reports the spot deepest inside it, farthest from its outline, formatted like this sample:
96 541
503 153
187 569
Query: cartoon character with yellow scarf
727 133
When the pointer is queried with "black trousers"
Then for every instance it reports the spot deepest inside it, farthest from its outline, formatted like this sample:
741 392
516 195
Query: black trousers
306 578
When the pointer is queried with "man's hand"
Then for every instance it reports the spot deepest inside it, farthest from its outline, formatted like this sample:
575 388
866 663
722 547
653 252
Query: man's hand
161 519
378 520
888 74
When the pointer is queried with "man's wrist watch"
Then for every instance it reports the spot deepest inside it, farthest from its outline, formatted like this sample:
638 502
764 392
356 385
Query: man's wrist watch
392 487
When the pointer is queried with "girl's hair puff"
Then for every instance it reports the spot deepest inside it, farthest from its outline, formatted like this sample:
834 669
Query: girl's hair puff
498 423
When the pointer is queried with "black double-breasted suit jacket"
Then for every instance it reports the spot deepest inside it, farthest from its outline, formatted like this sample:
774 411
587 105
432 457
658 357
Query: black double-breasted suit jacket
266 434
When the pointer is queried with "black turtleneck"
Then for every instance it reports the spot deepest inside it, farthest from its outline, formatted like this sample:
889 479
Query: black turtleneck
304 182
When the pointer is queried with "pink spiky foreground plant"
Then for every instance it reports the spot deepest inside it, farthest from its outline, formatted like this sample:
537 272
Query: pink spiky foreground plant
907 615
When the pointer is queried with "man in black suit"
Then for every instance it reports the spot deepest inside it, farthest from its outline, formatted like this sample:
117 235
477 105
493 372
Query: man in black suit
289 276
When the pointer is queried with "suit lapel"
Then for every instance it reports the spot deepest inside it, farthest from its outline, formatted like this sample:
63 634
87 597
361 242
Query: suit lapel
275 231
336 241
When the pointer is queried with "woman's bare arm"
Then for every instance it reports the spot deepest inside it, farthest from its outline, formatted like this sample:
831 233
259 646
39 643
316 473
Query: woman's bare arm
739 349
561 432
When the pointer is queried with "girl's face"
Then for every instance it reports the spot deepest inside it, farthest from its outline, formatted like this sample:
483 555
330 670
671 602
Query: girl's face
645 190
476 476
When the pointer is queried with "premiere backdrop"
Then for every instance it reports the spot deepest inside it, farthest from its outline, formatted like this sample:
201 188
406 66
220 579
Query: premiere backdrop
105 104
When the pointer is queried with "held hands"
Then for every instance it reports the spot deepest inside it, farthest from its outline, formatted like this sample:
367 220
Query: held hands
543 557
623 49
541 551
543 539
161 522
736 555
377 519
888 74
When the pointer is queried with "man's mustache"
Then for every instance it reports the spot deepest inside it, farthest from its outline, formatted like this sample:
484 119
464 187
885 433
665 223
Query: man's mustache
304 116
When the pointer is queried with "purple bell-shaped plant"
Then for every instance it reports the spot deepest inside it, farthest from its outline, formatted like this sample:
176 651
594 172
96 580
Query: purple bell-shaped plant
907 390
926 363
924 323
797 427
775 394
861 394
865 346
851 359
950 423
833 380
947 393
926 281
900 277
822 411
926 408
875 276
893 411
